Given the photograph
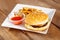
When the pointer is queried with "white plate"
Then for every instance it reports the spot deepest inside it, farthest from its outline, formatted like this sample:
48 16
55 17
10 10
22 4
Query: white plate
49 11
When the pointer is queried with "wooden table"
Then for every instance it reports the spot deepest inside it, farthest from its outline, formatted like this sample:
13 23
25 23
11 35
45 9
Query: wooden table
12 34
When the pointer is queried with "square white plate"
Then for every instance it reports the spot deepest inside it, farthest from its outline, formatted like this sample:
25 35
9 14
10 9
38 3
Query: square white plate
49 11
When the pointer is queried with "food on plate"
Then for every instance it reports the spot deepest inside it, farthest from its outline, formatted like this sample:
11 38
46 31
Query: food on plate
17 19
37 21
34 19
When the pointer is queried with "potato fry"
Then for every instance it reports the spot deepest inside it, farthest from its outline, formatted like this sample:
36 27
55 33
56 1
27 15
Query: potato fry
26 10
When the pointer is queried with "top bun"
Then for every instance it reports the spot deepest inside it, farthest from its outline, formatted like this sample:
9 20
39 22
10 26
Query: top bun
36 18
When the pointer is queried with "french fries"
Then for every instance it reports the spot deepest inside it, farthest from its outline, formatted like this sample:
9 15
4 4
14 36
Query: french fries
26 10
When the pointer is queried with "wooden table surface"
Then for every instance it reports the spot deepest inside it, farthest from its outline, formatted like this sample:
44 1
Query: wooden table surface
13 34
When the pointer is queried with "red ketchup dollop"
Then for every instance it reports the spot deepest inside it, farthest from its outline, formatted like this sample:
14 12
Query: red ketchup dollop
17 20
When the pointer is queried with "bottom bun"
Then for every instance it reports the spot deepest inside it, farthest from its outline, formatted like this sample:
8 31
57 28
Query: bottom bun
37 29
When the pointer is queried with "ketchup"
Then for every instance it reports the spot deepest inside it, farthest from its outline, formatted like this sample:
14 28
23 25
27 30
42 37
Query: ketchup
16 18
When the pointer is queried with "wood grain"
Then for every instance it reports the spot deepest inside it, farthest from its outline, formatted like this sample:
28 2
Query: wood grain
13 34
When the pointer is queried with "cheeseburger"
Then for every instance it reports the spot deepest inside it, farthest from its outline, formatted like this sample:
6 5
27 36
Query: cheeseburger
37 21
